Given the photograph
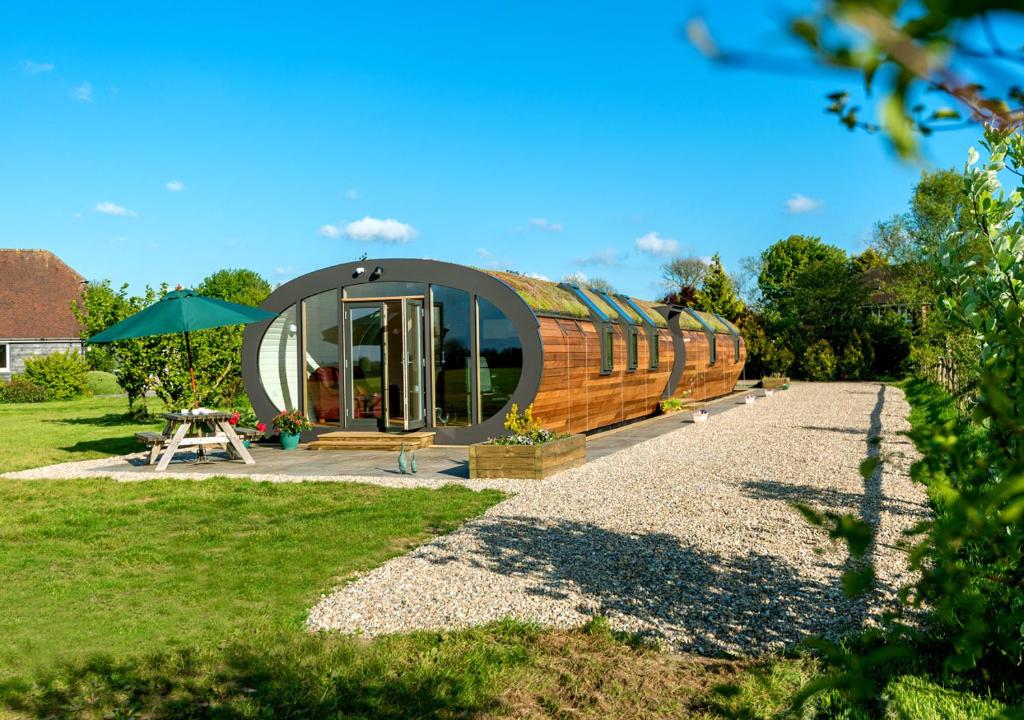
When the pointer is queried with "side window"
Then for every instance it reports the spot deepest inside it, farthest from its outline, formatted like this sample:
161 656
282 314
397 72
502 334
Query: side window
654 337
632 348
4 360
607 348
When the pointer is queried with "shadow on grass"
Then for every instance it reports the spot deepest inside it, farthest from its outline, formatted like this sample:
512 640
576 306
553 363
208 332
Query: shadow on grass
108 420
109 446
285 674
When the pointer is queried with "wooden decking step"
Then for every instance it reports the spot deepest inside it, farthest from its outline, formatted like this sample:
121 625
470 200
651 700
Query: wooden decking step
372 441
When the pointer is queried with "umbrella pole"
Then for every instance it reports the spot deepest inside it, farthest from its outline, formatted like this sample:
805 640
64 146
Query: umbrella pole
191 370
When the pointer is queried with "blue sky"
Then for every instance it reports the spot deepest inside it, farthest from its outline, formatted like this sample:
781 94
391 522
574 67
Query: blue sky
147 145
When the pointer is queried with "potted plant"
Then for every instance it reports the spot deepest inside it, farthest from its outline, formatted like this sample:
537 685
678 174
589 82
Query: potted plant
528 451
700 416
249 427
289 425
749 398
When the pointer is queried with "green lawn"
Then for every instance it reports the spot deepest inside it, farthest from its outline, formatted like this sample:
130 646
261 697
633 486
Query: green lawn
134 567
35 434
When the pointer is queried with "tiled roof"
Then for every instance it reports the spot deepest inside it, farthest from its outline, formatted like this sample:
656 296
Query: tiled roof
36 291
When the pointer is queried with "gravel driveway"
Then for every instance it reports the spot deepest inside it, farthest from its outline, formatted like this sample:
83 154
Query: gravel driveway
690 536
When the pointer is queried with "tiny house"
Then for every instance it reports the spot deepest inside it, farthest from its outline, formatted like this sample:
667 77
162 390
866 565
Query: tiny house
397 345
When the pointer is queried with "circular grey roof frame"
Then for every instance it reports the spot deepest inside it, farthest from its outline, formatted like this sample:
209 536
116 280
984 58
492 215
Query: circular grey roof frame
435 272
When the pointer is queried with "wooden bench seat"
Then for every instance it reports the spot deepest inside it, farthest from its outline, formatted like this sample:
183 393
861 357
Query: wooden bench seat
155 441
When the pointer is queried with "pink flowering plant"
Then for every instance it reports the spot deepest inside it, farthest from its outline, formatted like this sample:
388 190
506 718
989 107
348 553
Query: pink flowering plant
292 422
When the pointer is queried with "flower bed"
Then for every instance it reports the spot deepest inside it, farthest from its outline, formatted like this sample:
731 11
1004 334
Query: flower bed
528 451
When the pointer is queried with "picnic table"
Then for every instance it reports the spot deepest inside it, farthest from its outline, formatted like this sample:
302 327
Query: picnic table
213 428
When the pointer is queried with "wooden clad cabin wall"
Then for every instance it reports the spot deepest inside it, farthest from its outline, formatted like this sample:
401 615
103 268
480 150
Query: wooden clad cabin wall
701 381
575 397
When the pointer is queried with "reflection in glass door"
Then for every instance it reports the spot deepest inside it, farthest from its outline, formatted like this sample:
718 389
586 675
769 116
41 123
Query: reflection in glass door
394 366
385 366
414 365
364 336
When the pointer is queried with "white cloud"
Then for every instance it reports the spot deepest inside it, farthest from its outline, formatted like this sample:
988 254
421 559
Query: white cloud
175 185
654 244
353 194
83 92
607 257
76 215
544 224
109 208
330 231
284 271
371 229
537 276
34 68
799 203
484 253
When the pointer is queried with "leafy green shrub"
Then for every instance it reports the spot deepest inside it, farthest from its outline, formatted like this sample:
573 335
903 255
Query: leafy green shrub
102 383
819 361
851 362
62 374
671 405
22 390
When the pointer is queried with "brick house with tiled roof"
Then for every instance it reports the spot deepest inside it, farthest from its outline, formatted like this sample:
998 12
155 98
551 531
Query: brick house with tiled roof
36 292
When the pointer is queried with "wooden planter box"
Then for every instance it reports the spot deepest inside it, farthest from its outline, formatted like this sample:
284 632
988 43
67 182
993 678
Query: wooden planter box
527 461
773 383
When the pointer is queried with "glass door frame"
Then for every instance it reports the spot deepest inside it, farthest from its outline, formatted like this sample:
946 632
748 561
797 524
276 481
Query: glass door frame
349 420
383 423
416 304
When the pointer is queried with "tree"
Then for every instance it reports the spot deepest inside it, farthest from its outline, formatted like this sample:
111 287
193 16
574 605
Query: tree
717 293
680 273
98 307
242 286
217 353
785 260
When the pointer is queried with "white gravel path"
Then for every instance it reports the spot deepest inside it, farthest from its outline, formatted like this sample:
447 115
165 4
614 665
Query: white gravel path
690 536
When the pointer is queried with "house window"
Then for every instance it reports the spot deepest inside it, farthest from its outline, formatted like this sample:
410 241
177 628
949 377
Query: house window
632 348
500 360
607 348
654 338
278 360
453 338
5 361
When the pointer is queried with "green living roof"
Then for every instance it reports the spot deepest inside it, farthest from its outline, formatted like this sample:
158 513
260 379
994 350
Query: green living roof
543 296
547 298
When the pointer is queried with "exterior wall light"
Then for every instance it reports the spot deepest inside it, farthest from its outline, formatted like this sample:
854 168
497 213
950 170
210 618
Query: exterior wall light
377 272
358 271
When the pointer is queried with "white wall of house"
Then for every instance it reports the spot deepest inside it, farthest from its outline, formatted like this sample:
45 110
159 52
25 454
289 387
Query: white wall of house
14 352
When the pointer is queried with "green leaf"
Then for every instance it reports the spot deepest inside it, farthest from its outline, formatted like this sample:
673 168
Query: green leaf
868 466
945 113
858 582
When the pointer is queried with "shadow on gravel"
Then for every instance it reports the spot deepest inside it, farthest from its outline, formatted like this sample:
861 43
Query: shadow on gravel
825 498
716 603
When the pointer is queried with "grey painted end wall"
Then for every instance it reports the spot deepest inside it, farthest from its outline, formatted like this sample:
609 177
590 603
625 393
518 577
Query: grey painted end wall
19 350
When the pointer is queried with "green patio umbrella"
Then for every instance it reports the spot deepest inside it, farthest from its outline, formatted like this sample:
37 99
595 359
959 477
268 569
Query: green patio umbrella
182 311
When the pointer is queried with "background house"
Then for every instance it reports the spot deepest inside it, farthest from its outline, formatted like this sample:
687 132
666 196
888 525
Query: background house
36 292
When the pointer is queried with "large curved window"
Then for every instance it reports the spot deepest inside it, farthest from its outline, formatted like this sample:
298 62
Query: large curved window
278 360
501 358
452 341
320 351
